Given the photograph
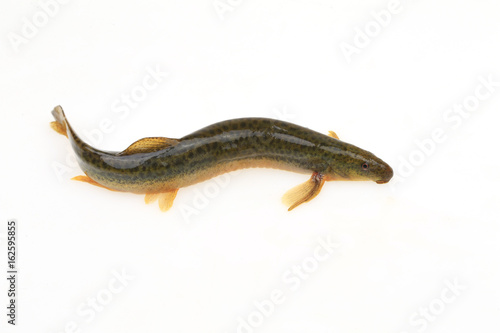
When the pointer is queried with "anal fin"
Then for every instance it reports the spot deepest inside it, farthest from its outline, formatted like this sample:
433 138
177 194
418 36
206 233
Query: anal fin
87 179
304 192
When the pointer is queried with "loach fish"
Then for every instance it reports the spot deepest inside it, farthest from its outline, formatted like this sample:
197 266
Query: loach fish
158 167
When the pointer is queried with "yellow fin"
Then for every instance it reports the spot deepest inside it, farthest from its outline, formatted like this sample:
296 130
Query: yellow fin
333 135
87 179
60 124
59 128
166 199
151 197
304 192
148 145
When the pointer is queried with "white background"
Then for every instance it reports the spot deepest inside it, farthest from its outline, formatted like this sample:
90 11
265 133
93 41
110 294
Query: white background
228 244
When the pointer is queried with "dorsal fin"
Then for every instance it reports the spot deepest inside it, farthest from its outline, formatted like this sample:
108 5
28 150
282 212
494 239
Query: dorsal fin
148 145
333 135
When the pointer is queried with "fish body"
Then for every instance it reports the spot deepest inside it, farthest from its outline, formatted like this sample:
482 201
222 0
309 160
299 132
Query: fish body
155 166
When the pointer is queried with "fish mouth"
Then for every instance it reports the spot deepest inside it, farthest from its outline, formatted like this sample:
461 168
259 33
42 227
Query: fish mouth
386 176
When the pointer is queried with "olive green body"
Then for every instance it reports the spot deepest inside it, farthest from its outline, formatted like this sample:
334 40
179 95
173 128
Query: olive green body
227 146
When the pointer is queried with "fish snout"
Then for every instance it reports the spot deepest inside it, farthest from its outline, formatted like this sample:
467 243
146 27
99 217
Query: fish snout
386 176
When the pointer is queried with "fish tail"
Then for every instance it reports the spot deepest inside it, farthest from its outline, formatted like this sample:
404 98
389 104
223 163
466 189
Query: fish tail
60 125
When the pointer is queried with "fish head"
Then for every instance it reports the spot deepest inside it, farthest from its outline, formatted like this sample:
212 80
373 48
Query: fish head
358 164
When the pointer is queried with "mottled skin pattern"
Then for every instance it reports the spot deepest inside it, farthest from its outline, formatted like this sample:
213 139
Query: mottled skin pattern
227 146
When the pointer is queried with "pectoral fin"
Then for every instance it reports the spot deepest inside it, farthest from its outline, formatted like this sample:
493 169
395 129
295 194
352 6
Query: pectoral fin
304 192
148 145
333 135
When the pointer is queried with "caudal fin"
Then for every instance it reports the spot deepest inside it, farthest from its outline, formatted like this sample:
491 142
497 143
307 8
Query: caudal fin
60 124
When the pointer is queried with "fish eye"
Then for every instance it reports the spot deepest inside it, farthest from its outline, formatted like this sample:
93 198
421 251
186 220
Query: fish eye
365 166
